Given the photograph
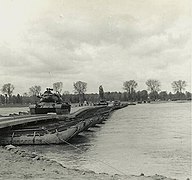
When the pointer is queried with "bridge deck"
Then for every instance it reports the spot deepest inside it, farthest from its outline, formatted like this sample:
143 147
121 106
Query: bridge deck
8 121
16 120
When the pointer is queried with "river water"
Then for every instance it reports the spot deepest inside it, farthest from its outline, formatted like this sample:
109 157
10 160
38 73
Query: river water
146 138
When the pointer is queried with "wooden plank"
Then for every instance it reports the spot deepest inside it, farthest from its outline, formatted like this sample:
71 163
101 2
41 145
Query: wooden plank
7 122
3 118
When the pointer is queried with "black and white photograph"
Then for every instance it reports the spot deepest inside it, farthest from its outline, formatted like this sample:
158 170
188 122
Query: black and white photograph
95 89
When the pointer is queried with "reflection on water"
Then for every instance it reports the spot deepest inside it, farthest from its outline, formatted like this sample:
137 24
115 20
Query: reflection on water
146 138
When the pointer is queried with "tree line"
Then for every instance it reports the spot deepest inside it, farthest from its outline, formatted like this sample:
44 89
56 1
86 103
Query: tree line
152 93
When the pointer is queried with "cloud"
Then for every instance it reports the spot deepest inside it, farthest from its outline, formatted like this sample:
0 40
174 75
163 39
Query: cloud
97 42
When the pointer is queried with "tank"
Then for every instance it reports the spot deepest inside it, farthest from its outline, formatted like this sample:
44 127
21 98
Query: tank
101 103
50 103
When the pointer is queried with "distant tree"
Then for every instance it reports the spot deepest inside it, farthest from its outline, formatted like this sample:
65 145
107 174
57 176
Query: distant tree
101 93
19 99
163 96
133 96
144 95
26 99
111 96
25 94
2 99
179 86
124 96
66 92
138 95
58 86
66 96
6 99
170 96
182 96
153 85
129 86
7 89
153 95
13 99
108 96
188 95
35 90
80 88
179 96
91 98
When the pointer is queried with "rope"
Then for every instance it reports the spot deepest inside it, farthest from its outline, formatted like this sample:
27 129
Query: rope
75 147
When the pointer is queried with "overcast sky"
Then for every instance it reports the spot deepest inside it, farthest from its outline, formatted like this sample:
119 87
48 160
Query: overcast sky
97 41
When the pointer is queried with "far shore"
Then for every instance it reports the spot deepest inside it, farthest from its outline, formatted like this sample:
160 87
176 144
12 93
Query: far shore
76 104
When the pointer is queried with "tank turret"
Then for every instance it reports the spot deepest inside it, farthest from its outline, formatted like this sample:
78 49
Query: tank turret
50 103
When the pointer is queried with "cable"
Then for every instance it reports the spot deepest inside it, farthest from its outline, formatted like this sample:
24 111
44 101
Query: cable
75 147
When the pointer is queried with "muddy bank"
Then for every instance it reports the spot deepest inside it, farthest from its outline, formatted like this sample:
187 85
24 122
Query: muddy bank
19 164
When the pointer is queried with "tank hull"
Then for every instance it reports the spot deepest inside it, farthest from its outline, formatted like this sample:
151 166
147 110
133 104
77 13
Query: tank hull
43 109
34 110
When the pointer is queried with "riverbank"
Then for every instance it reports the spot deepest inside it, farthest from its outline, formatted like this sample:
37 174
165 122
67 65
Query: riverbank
21 164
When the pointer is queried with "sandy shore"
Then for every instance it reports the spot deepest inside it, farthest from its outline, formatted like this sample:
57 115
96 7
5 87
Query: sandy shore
19 164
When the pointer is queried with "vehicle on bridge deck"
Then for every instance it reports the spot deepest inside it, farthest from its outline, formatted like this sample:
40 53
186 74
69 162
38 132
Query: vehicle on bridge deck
50 103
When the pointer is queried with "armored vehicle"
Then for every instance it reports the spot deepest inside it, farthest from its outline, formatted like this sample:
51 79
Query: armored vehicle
50 103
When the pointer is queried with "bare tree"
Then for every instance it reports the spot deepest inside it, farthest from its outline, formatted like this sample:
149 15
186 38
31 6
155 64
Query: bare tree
80 88
7 89
129 86
35 90
58 86
153 85
179 86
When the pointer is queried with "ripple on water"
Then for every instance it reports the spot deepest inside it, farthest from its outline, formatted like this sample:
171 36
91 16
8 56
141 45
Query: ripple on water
148 138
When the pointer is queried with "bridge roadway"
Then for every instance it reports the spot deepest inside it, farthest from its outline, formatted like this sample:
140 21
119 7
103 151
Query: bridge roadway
8 121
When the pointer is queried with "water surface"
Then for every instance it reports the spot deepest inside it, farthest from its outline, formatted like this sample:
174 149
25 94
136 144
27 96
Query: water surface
146 138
